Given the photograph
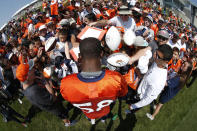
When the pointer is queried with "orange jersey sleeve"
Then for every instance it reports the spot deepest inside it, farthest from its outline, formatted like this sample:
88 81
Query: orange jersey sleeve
93 96
131 79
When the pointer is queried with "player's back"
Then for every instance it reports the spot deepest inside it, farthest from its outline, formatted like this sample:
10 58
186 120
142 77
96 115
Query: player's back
93 96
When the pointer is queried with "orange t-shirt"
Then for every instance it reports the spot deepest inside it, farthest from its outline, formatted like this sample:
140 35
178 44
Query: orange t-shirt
70 8
93 96
38 25
175 66
44 5
155 28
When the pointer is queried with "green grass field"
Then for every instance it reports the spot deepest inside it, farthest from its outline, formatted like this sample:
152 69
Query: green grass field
177 115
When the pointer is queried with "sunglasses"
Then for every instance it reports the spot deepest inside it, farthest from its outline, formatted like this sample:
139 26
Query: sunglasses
124 15
162 38
87 5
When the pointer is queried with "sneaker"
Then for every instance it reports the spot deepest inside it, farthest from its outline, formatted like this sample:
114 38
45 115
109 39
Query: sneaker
20 101
150 116
103 121
70 124
93 121
127 111
5 119
25 125
154 107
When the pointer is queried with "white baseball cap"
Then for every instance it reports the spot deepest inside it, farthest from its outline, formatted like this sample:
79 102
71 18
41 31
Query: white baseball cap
42 27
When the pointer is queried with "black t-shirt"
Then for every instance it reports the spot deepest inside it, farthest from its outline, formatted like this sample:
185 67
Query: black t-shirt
39 96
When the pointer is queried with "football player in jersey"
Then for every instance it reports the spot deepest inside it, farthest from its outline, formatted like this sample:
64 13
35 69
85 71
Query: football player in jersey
93 90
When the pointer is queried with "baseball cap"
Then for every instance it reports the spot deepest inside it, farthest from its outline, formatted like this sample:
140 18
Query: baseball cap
163 33
139 41
137 10
124 10
161 19
9 55
42 27
54 54
150 18
72 21
64 22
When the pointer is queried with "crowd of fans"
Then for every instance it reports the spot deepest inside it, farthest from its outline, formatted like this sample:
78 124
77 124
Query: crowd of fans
36 58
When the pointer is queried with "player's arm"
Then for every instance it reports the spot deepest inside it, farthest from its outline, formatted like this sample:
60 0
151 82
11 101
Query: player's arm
140 53
100 23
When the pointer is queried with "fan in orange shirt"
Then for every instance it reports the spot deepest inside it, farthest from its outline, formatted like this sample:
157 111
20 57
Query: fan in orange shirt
41 21
44 5
54 8
175 63
72 6
93 90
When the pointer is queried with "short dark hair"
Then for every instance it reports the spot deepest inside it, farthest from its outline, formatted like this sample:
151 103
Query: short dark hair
63 32
90 48
91 17
167 52
175 49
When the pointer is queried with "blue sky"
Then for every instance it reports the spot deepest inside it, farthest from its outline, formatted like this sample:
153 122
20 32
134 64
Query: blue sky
9 7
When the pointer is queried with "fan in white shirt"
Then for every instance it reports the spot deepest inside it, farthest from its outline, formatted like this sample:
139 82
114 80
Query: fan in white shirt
173 42
123 20
88 9
154 81
181 43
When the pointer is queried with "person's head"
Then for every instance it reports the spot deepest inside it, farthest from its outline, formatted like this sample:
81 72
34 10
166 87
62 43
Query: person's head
183 39
40 19
37 42
160 22
88 6
175 38
148 20
90 48
89 18
175 53
124 13
162 37
73 3
185 70
43 30
32 53
51 26
140 43
171 26
163 55
63 33
136 13
64 23
154 14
